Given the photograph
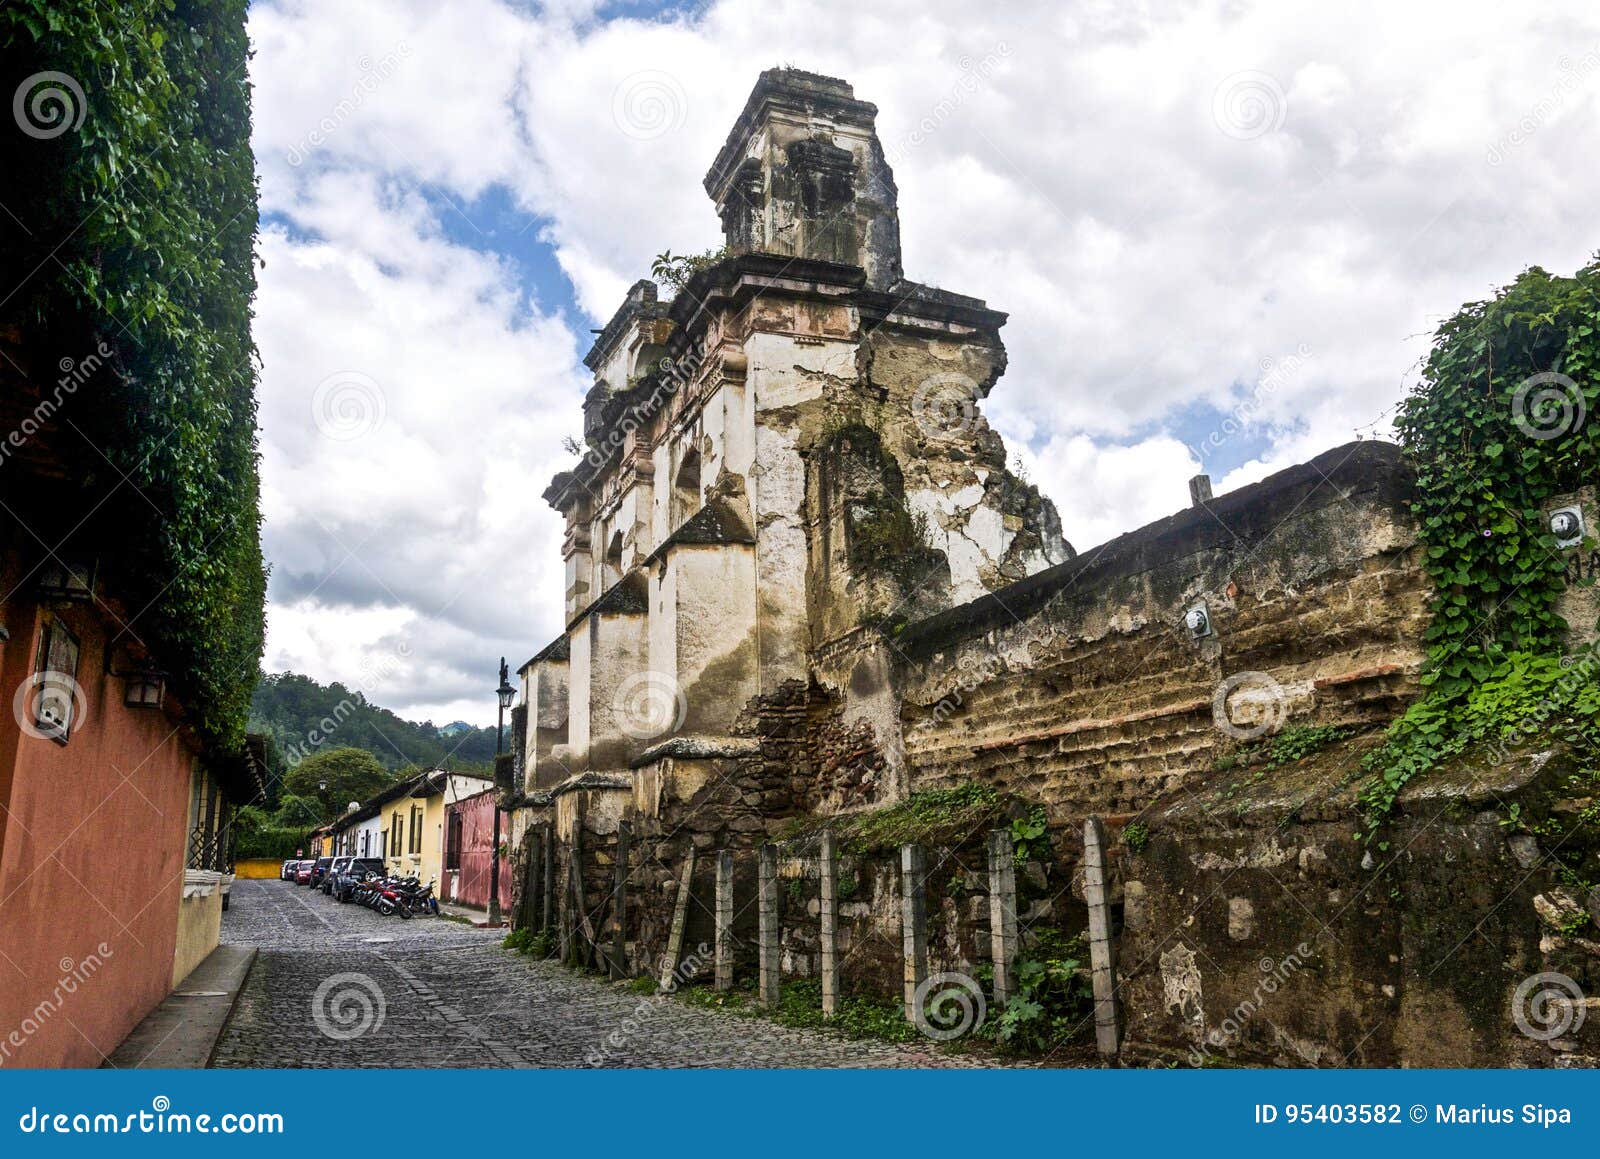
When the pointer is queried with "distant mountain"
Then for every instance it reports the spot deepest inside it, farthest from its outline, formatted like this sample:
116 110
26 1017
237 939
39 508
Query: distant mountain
301 716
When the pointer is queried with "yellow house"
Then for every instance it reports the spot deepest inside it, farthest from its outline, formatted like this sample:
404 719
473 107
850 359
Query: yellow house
413 823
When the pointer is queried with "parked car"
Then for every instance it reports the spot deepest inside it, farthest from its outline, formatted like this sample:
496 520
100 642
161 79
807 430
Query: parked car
325 882
302 873
287 872
318 868
359 869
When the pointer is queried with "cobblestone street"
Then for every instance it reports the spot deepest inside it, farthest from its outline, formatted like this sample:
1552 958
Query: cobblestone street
340 985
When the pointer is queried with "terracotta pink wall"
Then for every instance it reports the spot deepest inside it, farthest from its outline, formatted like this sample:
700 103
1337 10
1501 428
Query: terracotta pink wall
477 844
92 841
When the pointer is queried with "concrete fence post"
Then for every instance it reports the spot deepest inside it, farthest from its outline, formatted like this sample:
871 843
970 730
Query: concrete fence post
619 906
1002 913
680 920
828 915
914 923
1102 953
724 945
767 905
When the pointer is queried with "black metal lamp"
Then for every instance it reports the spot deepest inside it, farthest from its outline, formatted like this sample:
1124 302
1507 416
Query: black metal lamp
507 694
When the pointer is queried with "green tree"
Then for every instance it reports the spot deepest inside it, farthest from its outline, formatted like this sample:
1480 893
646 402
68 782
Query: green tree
335 778
298 812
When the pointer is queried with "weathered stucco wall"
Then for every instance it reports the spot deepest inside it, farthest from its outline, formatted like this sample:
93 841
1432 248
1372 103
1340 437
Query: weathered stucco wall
199 927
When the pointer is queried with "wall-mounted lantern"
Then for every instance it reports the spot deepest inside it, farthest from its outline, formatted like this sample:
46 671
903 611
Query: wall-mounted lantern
1198 620
1566 524
71 580
146 688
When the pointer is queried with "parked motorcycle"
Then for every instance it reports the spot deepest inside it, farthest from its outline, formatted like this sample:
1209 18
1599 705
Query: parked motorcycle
406 896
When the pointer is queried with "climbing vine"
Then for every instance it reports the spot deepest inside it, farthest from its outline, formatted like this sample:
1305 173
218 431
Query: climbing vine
1502 422
136 195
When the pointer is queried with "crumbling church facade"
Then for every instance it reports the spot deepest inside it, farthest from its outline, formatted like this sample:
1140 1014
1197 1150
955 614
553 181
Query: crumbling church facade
802 585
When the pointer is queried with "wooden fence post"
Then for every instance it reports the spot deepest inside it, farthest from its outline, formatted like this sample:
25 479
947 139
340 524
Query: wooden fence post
1002 912
1102 956
548 882
523 886
585 941
619 906
680 919
566 924
767 904
914 924
828 912
724 946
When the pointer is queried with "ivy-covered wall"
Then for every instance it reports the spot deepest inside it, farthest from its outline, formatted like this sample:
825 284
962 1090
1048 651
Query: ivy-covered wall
1501 432
130 186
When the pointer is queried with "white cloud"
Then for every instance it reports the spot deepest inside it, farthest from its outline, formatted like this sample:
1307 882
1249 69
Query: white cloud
1063 162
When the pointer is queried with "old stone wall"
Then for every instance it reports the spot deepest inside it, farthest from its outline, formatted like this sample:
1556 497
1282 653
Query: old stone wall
1260 931
1083 687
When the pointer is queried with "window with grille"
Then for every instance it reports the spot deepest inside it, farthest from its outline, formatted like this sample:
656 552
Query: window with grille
56 679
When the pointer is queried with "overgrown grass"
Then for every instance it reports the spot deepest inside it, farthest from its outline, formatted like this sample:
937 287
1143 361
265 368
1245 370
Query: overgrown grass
800 1006
525 941
931 817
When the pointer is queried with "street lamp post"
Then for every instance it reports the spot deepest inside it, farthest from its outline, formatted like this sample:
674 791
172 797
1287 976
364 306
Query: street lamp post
506 693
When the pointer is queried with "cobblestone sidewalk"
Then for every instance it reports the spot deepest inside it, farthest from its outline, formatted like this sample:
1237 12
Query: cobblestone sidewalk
339 985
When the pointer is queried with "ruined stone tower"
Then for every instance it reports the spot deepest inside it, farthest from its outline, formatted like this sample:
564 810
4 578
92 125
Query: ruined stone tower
783 461
802 583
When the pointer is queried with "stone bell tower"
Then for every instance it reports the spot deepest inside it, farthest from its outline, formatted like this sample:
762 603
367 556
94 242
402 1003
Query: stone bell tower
803 174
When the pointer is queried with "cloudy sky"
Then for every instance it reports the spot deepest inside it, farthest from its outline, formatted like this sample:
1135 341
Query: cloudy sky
1190 211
